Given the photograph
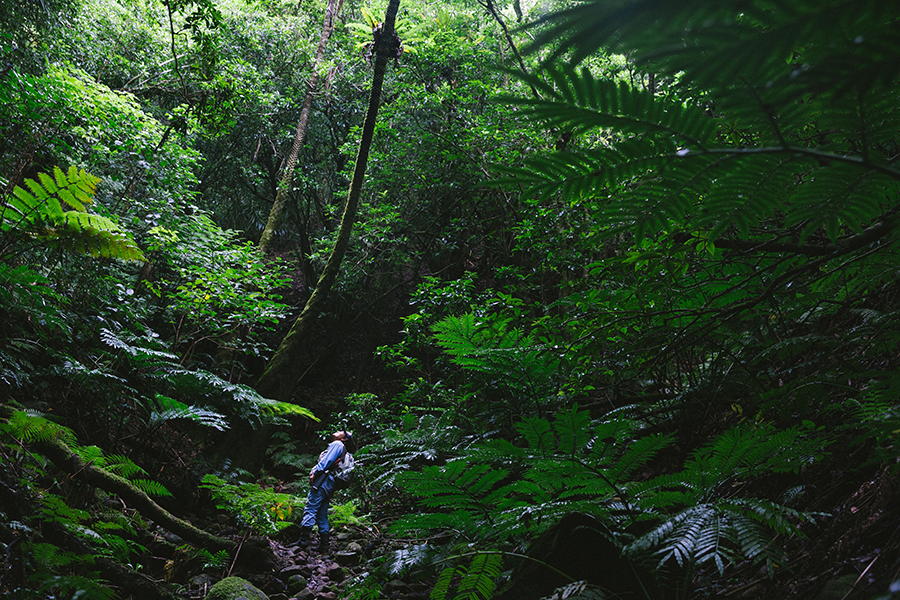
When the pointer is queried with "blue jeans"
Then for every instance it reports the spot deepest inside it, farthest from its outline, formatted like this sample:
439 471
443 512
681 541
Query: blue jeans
316 510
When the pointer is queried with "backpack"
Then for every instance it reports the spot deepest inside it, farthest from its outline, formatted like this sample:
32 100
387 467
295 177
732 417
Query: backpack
343 471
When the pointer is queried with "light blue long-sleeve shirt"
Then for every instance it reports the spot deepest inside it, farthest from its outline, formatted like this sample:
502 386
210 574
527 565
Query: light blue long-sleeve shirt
331 454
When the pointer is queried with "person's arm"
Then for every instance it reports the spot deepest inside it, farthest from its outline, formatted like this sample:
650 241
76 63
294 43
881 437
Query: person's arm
332 453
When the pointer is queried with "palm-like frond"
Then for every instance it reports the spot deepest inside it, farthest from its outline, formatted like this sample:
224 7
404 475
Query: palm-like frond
170 409
53 211
30 426
480 577
722 532
734 40
221 397
576 100
790 130
457 484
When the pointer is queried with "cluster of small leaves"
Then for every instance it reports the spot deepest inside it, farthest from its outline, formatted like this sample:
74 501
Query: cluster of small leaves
217 277
346 514
260 510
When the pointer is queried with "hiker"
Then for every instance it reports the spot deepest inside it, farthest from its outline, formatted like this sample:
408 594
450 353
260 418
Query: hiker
322 483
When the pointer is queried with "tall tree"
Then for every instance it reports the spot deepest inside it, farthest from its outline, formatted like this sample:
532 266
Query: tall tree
281 374
287 178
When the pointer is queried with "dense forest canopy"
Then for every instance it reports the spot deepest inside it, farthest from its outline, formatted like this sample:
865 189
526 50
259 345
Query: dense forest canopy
615 278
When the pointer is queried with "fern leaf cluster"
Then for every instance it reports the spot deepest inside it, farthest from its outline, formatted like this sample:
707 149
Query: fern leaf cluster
263 511
223 400
422 440
475 582
91 533
575 100
53 210
32 427
788 132
496 491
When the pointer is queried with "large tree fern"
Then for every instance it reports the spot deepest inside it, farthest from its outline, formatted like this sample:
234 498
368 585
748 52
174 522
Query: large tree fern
789 128
499 491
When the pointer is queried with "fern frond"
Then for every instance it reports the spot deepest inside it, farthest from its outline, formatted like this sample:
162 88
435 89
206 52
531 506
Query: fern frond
748 192
30 427
150 487
459 521
456 485
479 579
733 40
54 211
840 195
578 101
409 557
171 410
639 454
90 454
573 428
538 433
581 174
89 375
140 348
123 466
442 585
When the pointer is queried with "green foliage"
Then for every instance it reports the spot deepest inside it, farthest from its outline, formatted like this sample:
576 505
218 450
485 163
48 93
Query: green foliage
283 451
30 427
160 368
170 409
345 514
718 227
260 510
220 284
217 561
580 590
498 491
475 582
421 439
57 542
714 525
738 171
89 588
52 211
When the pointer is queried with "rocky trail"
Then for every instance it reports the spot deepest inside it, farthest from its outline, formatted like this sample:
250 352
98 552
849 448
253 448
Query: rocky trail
308 573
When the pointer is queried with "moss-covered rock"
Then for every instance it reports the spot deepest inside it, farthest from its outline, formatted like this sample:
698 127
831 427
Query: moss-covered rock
235 588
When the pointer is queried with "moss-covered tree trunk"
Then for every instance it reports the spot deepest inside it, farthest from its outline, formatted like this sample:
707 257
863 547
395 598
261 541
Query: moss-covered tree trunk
281 373
68 461
287 179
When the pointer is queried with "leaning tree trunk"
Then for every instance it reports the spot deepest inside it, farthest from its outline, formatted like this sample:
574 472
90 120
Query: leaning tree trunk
66 460
280 375
287 178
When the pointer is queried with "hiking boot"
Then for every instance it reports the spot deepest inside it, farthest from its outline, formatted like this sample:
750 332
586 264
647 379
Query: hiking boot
323 543
303 541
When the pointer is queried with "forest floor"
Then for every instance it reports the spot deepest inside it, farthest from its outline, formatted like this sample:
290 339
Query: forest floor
313 574
851 552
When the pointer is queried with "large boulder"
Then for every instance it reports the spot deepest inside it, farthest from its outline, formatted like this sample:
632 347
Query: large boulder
235 588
